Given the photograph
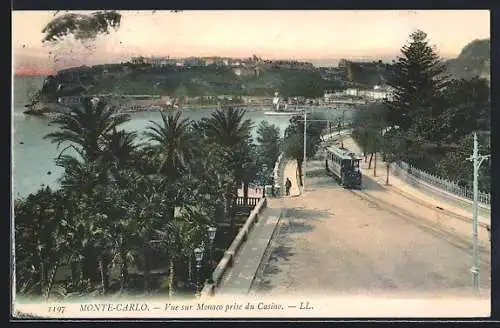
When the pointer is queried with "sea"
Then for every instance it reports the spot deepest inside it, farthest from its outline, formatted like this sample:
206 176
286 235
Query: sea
33 156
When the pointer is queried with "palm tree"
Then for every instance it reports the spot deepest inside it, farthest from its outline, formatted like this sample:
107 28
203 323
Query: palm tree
229 129
174 148
39 240
246 168
181 236
173 142
119 155
87 126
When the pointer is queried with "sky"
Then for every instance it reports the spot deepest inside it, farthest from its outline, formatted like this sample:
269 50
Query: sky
271 34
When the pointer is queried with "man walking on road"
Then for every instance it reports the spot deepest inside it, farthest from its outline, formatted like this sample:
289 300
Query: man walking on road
288 185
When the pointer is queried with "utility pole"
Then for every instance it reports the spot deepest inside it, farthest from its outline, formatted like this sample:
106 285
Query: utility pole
305 148
476 160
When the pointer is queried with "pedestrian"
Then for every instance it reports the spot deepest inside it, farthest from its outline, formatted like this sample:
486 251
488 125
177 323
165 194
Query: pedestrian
288 185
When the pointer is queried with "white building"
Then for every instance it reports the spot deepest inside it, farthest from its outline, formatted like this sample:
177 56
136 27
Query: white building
153 61
351 92
381 92
377 93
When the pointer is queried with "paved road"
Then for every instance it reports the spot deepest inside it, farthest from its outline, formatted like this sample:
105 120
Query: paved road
415 191
333 241
239 278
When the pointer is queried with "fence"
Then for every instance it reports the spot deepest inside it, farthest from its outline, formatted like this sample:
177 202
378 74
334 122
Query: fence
440 183
227 260
251 201
278 174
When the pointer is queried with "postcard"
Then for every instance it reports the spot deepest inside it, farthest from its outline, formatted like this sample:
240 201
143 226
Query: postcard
251 164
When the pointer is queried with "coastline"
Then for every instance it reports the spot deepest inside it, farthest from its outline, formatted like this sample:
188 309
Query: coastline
50 109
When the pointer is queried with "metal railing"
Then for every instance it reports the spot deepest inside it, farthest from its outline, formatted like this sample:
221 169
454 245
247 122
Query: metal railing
227 260
251 201
278 174
440 183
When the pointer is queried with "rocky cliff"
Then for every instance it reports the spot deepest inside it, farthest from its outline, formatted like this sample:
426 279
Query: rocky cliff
474 60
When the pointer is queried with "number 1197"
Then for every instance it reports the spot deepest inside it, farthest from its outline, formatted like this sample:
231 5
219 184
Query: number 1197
57 309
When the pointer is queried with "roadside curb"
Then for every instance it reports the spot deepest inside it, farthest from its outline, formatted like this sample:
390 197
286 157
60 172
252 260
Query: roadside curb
267 252
297 179
432 191
446 196
431 206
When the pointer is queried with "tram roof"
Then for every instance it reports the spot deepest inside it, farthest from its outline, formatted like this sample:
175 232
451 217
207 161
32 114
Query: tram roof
343 153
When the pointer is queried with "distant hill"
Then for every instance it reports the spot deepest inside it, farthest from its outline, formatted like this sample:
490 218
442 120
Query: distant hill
185 81
474 60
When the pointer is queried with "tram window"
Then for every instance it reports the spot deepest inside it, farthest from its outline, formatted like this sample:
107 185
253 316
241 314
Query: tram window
355 164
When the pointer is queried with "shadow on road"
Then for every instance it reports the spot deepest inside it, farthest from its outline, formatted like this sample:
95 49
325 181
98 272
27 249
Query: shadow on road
279 254
316 172
297 223
298 213
368 183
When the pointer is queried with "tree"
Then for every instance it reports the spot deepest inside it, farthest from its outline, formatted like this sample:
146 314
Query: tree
118 155
468 108
87 126
229 129
368 125
269 141
173 149
418 78
39 240
456 167
102 152
294 139
391 147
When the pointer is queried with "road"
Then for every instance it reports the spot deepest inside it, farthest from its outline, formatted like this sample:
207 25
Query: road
333 241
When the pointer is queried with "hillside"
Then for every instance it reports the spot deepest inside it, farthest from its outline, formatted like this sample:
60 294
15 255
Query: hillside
185 81
474 60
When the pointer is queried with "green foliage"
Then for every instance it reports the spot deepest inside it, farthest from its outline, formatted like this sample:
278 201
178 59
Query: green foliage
192 82
39 239
269 144
468 110
172 142
86 126
121 201
228 129
368 125
457 168
294 138
430 114
300 84
418 79
367 74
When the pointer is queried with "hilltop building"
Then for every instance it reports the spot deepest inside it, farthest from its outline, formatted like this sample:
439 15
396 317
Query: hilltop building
376 94
154 61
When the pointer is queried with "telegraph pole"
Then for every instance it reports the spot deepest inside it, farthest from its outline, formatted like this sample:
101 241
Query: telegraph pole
476 160
305 158
305 148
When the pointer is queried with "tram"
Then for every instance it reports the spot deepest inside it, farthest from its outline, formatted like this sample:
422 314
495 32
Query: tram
344 165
